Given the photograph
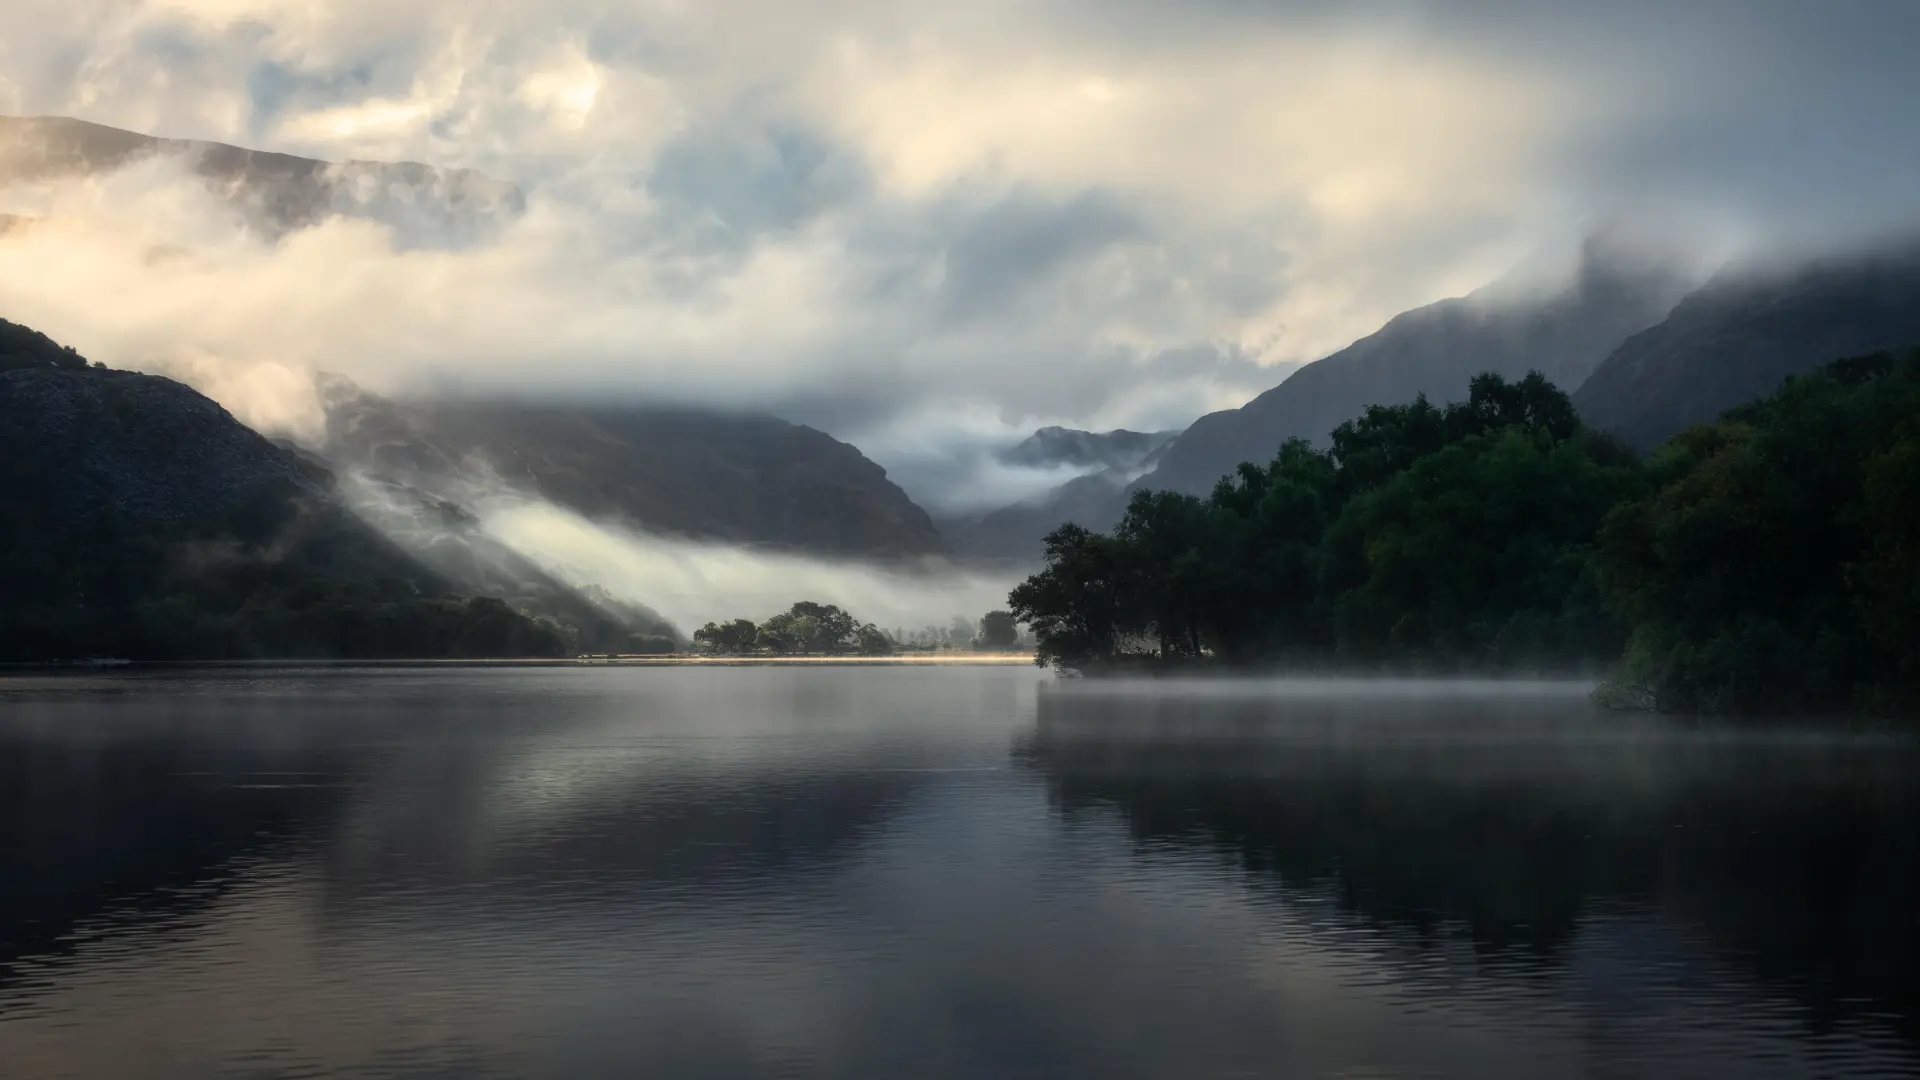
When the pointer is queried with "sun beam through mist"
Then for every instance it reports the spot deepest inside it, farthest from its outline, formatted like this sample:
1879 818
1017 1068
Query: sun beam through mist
691 582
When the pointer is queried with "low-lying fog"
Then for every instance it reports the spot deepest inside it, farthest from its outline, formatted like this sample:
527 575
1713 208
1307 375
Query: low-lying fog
694 582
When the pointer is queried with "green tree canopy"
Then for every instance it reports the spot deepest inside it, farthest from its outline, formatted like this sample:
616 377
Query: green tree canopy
1774 565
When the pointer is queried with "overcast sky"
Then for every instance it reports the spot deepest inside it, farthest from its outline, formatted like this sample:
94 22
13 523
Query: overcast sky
916 223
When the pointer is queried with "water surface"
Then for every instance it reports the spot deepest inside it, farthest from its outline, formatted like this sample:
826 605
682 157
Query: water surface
891 872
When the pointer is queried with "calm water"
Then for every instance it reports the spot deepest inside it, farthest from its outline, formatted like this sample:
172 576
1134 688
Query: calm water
927 873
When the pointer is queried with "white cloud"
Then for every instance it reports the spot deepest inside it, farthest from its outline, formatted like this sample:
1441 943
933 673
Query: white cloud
862 212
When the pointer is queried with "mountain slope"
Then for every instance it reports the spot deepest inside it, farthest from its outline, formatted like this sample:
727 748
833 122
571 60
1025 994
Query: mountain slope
739 478
274 193
1739 337
139 519
1434 351
1014 532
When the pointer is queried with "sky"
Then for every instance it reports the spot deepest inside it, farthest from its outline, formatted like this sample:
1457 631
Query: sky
925 227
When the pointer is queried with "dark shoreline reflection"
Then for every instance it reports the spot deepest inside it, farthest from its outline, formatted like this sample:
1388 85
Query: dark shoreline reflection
940 873
147 817
1509 821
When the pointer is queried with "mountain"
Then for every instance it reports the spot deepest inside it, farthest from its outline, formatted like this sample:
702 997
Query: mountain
1013 533
741 478
1053 447
85 443
1740 336
274 193
138 519
1432 350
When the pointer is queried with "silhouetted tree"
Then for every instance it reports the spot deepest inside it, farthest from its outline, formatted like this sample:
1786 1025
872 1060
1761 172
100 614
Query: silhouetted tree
998 631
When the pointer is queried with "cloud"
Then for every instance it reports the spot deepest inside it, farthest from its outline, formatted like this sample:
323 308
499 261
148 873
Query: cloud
871 215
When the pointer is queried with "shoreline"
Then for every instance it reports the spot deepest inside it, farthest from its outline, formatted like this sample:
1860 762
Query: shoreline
615 660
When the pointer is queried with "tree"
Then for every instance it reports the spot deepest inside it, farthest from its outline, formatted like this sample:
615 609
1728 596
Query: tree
727 639
1274 518
1384 546
1477 556
1171 542
808 627
1772 567
870 640
1081 604
999 631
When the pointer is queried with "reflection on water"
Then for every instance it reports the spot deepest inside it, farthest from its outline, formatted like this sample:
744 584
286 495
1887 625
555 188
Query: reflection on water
926 872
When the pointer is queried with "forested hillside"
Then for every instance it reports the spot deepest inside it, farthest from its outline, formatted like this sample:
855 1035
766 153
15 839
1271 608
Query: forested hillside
1766 562
139 520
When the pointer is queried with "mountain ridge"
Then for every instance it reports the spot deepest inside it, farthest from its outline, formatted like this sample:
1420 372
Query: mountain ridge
139 519
1432 350
1741 335
739 478
274 193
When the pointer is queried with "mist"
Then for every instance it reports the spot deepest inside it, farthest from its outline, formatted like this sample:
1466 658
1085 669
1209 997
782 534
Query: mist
692 583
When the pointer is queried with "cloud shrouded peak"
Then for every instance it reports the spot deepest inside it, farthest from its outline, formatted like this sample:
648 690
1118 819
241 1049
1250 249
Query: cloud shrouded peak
915 225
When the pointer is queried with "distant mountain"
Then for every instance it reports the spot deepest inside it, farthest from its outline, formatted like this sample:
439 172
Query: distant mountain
1432 350
139 519
1013 533
1740 336
1053 447
750 479
274 193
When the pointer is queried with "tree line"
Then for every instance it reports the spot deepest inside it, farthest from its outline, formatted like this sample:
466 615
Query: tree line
1769 561
814 629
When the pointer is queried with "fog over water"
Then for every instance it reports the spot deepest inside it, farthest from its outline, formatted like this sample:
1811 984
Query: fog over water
881 872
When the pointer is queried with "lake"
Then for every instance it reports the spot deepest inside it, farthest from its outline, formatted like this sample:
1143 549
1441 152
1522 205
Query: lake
937 872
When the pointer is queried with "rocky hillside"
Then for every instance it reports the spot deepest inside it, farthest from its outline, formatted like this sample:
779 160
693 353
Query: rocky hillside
751 479
1743 334
273 193
85 445
1434 351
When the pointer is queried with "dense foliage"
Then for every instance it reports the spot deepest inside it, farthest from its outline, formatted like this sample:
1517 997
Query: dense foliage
139 521
1770 561
998 632
277 580
805 629
811 629
1449 538
1777 565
